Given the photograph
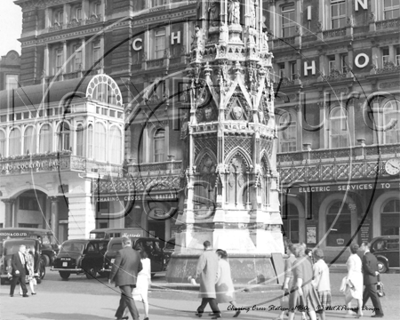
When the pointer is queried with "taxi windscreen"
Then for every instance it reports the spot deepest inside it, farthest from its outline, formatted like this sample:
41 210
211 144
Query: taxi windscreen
70 246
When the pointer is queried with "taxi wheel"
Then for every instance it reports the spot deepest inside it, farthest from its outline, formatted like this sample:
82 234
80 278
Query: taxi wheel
46 260
42 271
382 266
64 275
91 273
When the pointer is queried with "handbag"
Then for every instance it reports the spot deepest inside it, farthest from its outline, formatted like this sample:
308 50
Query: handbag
285 302
380 289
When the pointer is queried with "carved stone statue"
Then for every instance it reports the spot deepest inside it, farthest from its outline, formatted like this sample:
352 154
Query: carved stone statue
197 37
223 33
265 40
252 15
213 13
234 12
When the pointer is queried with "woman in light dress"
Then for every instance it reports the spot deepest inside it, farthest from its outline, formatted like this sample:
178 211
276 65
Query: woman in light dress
354 282
141 292
225 291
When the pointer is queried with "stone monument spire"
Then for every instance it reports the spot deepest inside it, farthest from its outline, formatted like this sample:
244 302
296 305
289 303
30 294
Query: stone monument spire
232 182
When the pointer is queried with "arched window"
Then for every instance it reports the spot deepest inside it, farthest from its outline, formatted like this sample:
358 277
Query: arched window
90 141
45 139
63 137
15 142
30 140
391 118
159 145
338 128
115 143
80 140
390 218
340 232
2 144
287 133
290 219
99 142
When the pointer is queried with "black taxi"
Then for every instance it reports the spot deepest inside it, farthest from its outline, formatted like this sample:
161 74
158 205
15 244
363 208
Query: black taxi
80 256
152 246
10 247
386 250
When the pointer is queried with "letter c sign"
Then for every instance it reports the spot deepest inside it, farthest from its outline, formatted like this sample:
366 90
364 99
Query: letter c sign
137 46
364 60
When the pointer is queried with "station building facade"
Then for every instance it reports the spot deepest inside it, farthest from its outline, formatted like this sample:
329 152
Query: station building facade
336 88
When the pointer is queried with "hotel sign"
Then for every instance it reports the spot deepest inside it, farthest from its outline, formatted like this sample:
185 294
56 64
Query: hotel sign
36 165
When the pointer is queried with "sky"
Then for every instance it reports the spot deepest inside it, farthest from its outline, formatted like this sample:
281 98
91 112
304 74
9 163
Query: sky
10 27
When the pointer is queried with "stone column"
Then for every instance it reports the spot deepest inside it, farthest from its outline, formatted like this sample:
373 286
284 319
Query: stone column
54 215
9 204
65 57
82 216
46 63
83 44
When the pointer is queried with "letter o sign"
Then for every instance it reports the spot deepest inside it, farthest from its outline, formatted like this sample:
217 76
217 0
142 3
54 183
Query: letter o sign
137 46
364 61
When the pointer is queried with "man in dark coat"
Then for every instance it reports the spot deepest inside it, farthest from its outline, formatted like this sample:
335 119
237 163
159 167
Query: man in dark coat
370 271
124 272
18 265
207 272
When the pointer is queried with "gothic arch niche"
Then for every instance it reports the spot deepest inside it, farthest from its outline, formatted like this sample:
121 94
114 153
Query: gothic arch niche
204 186
237 108
237 179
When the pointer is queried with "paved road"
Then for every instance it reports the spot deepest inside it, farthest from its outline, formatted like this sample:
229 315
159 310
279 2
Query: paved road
83 299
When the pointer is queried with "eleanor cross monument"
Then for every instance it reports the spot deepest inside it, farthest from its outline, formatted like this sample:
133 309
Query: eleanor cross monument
231 195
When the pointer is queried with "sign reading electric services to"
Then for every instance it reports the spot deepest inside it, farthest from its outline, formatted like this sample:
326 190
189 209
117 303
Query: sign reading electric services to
343 187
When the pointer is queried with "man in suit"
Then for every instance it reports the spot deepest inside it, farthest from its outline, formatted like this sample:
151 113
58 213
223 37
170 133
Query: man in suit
207 272
370 271
124 272
18 265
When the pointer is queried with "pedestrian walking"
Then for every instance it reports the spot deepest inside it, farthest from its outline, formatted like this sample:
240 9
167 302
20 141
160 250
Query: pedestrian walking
322 281
225 290
207 273
288 280
30 267
370 272
309 254
303 295
141 292
124 272
18 265
353 282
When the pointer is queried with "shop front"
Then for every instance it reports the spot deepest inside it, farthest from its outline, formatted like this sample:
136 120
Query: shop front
335 215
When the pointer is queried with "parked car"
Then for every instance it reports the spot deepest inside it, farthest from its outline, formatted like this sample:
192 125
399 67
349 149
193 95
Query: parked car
386 250
168 251
80 256
10 247
49 244
152 246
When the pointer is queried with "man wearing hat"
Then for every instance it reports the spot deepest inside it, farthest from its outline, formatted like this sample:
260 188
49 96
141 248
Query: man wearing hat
321 280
